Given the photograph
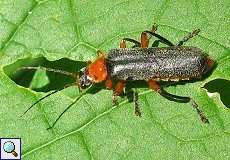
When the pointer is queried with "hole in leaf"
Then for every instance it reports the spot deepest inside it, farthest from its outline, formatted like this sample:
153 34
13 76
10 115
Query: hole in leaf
40 80
221 86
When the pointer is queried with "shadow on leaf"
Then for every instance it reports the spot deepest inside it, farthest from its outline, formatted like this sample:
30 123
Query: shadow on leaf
47 81
221 86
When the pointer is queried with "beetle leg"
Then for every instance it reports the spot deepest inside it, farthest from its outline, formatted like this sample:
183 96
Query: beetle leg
144 40
163 40
99 54
109 83
136 106
156 87
119 87
189 36
156 43
118 90
133 97
137 44
122 44
203 118
154 28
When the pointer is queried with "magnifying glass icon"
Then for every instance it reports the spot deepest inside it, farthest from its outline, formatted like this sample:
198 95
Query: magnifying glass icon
9 147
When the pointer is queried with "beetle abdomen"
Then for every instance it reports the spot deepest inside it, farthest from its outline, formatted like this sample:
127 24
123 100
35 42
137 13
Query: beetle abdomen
166 63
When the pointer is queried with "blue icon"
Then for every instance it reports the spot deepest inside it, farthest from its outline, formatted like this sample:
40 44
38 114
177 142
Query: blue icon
9 147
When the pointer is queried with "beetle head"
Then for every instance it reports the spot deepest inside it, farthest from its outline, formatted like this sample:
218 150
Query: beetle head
95 72
85 80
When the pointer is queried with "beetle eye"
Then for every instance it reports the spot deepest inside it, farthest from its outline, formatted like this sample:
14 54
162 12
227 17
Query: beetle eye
84 80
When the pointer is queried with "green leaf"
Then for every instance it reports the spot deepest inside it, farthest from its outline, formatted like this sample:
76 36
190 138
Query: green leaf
93 128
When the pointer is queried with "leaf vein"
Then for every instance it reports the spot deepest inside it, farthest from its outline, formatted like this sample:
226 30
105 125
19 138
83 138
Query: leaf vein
15 31
86 145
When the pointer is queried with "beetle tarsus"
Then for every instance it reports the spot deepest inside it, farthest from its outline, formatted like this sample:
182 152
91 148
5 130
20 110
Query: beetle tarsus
114 100
203 118
154 27
189 36
136 106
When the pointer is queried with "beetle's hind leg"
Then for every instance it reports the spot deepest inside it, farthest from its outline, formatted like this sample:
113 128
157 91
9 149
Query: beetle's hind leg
199 111
189 36
156 87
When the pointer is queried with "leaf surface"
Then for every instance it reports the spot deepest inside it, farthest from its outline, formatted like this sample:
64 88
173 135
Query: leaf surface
93 128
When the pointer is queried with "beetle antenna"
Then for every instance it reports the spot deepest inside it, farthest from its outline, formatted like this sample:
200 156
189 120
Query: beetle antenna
74 75
40 100
68 85
67 108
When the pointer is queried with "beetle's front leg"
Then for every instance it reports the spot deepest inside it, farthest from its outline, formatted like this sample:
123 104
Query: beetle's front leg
117 91
109 84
